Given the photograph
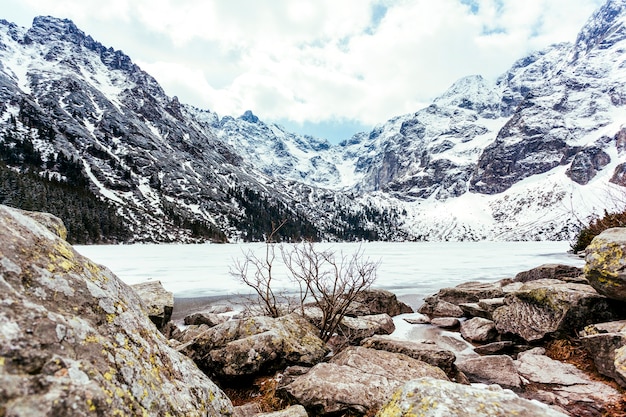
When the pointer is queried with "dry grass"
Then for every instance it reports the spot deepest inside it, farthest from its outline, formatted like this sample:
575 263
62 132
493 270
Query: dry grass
571 351
261 391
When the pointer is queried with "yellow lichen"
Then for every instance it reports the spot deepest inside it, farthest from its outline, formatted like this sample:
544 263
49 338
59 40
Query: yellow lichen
91 405
2 359
110 318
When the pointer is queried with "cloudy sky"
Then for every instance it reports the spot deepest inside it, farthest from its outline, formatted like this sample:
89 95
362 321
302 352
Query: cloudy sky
328 68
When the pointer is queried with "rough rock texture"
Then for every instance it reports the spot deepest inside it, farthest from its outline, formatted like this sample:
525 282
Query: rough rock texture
75 340
252 410
495 348
158 301
357 380
433 307
446 322
209 319
378 301
543 308
607 344
254 345
550 271
478 329
470 292
425 352
429 397
605 266
358 328
565 385
496 369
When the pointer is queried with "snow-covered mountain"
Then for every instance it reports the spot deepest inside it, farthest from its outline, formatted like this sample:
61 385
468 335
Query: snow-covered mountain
529 156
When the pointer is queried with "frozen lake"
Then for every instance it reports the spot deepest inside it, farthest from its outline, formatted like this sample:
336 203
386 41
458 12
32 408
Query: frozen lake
411 270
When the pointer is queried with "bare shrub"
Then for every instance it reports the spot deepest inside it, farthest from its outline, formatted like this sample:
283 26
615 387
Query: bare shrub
330 282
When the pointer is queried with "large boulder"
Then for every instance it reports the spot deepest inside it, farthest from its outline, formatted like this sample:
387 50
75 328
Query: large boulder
496 369
425 352
158 302
544 308
605 266
378 301
256 345
429 397
478 329
75 340
357 380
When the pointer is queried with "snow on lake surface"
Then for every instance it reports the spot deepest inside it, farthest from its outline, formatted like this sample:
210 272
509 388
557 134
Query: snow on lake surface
412 270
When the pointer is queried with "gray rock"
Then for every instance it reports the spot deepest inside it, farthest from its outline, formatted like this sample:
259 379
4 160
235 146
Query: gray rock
495 369
495 348
606 343
434 307
357 380
605 266
292 411
478 329
358 328
435 398
417 318
475 310
446 322
550 271
209 319
565 385
158 301
425 352
75 340
378 301
470 292
545 308
254 345
247 410
490 304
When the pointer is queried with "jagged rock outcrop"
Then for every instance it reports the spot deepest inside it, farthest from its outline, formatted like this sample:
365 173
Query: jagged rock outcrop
434 398
606 264
75 340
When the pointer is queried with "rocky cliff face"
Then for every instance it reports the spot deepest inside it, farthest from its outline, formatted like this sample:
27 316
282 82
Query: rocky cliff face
169 169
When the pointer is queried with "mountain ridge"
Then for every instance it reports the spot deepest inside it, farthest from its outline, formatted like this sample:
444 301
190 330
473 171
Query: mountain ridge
529 156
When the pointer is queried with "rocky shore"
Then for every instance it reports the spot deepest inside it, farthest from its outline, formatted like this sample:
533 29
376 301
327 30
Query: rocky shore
75 340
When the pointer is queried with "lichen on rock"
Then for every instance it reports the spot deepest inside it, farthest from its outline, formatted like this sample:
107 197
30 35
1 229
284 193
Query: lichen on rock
74 339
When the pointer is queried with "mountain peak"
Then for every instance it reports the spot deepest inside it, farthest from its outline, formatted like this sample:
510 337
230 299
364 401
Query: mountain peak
472 92
47 28
604 28
249 117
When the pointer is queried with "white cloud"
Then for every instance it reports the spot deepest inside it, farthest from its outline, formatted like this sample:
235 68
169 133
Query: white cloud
320 60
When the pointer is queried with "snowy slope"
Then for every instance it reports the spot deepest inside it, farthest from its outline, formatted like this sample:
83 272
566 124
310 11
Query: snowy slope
530 156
